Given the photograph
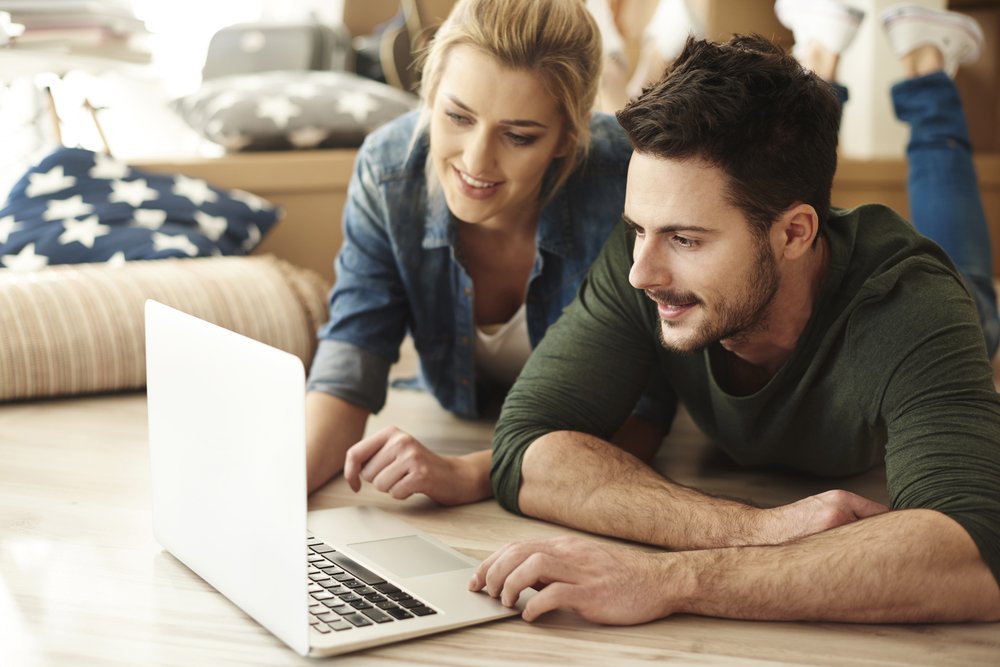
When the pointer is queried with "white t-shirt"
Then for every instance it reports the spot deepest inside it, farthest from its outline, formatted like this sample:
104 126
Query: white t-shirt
503 349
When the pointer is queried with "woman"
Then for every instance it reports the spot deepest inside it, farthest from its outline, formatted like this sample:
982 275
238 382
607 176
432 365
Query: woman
468 225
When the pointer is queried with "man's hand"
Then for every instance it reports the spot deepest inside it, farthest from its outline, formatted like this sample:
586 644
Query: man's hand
814 514
907 566
396 463
603 583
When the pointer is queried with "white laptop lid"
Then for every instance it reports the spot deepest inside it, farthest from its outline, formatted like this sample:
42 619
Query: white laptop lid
226 427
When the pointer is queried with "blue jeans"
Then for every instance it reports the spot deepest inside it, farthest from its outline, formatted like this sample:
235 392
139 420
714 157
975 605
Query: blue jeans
945 205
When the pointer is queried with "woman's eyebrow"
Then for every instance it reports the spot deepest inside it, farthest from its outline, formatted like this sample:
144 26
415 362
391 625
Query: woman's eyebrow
515 122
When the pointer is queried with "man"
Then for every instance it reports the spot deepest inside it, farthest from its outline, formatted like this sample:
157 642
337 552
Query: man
816 339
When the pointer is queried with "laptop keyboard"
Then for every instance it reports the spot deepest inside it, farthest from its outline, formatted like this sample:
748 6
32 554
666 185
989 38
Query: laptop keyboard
344 595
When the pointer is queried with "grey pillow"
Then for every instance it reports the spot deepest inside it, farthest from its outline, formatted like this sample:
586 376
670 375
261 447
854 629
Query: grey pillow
285 110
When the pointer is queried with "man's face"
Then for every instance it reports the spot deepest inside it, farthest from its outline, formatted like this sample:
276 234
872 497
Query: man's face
695 255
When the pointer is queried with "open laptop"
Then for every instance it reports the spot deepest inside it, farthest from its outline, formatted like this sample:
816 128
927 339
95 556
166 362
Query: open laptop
228 461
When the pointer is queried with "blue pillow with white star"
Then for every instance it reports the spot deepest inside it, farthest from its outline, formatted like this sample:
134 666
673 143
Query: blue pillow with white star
77 206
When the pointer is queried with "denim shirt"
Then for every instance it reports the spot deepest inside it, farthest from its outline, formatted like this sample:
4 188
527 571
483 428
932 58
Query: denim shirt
398 270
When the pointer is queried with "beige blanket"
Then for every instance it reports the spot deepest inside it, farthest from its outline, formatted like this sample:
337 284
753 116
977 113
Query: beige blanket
75 329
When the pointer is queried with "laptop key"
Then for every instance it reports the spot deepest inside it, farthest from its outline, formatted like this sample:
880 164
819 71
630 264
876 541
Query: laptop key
322 595
361 604
357 619
386 604
349 597
398 614
322 627
322 549
399 595
340 624
377 615
385 588
358 570
408 604
422 611
328 616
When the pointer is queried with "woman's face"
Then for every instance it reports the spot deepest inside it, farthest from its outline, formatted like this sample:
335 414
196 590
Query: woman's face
494 132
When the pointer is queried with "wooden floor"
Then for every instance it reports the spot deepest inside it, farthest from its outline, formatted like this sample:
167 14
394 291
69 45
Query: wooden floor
82 581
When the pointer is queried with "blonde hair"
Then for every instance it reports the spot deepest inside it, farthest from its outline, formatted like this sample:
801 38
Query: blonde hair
556 40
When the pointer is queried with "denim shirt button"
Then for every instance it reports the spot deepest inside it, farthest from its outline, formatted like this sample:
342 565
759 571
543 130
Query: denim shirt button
465 382
464 340
467 291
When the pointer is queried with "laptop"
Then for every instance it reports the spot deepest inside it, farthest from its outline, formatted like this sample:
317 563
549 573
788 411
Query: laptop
228 485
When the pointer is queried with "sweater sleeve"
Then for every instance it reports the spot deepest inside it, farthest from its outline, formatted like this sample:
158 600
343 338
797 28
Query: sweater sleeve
940 408
587 373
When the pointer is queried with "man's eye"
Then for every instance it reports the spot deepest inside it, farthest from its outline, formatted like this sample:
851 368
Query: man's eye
684 242
634 230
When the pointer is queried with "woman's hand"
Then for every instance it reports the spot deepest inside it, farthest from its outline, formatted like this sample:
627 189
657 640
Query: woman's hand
396 463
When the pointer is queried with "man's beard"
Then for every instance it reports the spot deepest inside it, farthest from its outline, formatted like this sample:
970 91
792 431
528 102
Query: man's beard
734 319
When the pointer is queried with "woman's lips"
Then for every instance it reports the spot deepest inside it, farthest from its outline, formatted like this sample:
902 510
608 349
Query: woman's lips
475 188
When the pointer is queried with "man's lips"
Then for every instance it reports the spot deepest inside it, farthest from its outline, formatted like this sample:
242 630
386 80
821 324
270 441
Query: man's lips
672 312
672 308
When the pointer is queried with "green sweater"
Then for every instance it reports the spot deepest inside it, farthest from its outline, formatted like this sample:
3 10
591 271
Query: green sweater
891 366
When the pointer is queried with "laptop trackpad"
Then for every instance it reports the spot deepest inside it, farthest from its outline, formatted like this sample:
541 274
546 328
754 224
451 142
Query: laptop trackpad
410 556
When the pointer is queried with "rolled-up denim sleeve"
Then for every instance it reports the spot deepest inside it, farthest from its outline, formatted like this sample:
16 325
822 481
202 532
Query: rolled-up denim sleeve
368 305
351 373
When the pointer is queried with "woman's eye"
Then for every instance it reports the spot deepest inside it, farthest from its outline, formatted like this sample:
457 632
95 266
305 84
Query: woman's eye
520 139
457 118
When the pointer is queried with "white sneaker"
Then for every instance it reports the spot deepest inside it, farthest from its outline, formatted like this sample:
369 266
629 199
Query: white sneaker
958 37
829 22
612 41
670 27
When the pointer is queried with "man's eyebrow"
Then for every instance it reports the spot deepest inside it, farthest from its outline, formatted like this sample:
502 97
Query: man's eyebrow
514 122
666 229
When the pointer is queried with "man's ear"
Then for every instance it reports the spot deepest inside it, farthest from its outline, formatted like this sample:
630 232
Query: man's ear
795 231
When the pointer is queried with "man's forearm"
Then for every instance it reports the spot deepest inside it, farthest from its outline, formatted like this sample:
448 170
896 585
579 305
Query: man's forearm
581 481
904 566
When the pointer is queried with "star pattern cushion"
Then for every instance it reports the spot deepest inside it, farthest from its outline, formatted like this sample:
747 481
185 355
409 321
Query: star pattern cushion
79 206
288 110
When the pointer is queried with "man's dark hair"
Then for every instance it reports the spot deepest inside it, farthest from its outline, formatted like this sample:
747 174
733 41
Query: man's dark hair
750 109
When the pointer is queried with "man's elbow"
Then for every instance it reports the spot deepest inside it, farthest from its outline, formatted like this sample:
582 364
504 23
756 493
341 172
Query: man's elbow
505 470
